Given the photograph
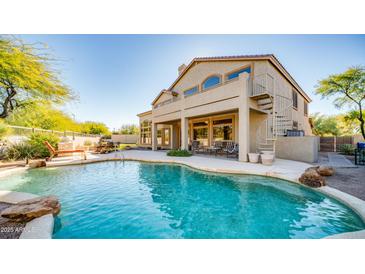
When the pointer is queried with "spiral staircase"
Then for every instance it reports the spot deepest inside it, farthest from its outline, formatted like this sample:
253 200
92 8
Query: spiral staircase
277 105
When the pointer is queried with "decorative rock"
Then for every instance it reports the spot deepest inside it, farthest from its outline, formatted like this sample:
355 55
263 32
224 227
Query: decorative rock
312 168
33 208
36 164
325 171
311 178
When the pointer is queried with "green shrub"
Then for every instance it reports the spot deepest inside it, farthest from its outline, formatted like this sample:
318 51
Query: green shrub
126 146
4 129
347 149
37 140
179 153
19 151
87 143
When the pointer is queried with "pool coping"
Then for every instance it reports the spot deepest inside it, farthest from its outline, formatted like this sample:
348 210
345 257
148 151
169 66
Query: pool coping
38 228
356 204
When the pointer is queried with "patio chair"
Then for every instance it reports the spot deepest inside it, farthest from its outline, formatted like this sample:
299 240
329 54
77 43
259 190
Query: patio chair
55 153
232 149
226 145
217 147
196 148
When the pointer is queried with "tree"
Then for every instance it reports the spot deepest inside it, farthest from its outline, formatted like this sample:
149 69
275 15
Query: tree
349 90
41 114
129 129
325 125
26 74
94 128
350 120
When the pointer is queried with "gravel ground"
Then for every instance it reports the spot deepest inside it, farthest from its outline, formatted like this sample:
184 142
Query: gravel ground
349 180
8 229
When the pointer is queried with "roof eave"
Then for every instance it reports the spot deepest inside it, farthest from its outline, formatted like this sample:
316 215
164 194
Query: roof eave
144 113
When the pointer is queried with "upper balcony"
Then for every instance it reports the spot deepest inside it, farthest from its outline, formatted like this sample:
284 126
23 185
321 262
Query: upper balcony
166 102
263 86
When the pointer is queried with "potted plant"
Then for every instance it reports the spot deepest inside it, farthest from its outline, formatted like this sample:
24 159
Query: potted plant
267 159
253 157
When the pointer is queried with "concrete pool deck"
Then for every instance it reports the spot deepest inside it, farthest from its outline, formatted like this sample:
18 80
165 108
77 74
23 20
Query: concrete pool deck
283 169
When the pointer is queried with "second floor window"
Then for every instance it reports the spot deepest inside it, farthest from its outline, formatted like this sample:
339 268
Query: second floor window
295 99
295 125
191 91
305 108
235 74
211 82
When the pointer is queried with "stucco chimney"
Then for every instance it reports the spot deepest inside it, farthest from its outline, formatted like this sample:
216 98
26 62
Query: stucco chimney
181 68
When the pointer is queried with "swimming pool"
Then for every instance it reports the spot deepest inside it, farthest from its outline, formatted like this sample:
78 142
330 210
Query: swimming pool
133 199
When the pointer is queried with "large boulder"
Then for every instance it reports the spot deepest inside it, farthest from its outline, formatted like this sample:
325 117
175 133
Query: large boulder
322 170
36 164
312 178
33 208
325 171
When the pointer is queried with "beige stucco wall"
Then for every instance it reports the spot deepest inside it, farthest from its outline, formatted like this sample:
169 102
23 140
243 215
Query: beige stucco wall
227 89
284 88
199 72
164 97
303 149
256 118
125 138
224 98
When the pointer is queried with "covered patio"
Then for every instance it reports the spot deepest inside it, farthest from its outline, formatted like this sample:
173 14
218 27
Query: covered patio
211 133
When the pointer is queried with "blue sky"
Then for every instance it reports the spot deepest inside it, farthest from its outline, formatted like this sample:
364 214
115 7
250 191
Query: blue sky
118 76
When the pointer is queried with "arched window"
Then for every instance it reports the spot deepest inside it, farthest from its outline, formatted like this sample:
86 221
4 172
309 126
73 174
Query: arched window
211 82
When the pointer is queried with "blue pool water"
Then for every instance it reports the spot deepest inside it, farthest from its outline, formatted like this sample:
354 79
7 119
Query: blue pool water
141 200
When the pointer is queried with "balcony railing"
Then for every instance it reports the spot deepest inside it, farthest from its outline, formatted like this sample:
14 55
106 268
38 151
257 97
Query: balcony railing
263 84
166 102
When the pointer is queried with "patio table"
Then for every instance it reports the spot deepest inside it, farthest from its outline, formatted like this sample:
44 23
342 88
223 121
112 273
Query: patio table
213 149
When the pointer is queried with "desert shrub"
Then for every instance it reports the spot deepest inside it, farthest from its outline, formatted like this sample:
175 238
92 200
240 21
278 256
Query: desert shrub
179 153
126 146
4 129
347 149
37 140
87 143
19 151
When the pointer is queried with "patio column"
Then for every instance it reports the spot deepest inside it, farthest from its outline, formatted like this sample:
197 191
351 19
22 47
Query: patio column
243 120
184 133
154 136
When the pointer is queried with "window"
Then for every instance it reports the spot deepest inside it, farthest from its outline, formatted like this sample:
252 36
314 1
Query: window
166 136
295 125
200 132
295 99
145 134
235 74
211 82
191 91
305 108
159 137
222 130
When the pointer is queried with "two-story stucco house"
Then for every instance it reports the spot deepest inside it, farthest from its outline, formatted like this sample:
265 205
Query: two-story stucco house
249 99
